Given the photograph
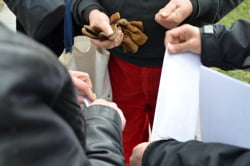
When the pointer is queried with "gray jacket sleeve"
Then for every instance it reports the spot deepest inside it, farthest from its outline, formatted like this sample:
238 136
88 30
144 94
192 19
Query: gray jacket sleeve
207 12
194 153
40 118
103 144
226 48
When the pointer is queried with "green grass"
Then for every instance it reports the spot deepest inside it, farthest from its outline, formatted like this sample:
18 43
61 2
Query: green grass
240 12
242 75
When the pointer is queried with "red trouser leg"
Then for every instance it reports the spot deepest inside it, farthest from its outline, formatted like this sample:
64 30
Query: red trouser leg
135 91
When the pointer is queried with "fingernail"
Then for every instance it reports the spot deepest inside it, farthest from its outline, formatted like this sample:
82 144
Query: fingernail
110 32
164 14
171 48
168 45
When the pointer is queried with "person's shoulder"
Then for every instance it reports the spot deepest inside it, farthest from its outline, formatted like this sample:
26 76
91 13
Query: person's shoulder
18 45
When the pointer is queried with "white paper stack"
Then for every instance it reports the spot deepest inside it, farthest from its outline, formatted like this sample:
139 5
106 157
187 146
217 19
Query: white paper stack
224 108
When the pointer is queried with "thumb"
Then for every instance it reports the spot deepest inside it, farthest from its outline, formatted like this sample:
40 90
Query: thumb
178 48
108 30
164 14
84 88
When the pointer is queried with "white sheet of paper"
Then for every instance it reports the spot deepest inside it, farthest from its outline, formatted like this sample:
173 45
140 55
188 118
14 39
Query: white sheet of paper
177 102
224 108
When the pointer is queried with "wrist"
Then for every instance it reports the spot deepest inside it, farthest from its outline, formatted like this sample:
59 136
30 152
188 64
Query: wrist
92 14
89 9
194 8
209 45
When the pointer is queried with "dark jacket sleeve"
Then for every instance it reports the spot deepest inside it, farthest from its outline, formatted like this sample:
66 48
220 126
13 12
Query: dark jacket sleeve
207 12
224 47
81 9
194 153
40 119
37 19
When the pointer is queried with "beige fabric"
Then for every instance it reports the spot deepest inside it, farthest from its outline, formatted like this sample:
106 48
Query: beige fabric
88 58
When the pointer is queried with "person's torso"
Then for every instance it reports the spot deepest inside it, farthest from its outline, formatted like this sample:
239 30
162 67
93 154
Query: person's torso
151 53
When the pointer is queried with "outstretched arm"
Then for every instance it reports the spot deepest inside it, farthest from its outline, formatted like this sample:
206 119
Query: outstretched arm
195 153
207 12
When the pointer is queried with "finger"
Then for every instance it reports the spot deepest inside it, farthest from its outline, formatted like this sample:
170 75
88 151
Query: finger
173 15
167 10
108 44
169 38
84 88
77 73
85 78
118 40
80 100
172 36
74 73
178 48
173 20
101 20
107 29
164 13
180 14
184 9
88 93
82 76
102 44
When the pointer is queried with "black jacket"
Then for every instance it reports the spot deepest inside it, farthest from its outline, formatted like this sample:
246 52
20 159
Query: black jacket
151 54
226 48
194 153
43 21
41 123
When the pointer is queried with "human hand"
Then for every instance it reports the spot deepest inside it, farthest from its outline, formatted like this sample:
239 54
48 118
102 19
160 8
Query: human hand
100 19
182 39
112 105
174 13
137 154
83 84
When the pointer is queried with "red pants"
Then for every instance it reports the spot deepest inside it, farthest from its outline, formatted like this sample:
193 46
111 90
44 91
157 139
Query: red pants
135 91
